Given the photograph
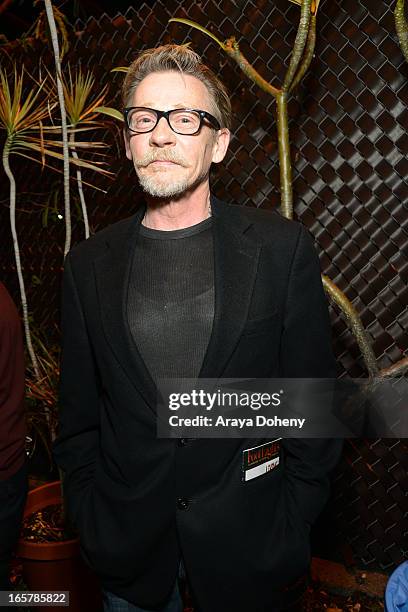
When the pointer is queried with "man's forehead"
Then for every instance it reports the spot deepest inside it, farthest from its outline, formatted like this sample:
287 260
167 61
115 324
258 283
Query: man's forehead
165 90
151 104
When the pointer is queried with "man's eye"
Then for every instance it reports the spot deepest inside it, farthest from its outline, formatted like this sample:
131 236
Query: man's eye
143 120
186 119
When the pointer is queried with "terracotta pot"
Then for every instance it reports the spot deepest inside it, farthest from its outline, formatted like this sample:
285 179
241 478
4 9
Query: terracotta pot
57 566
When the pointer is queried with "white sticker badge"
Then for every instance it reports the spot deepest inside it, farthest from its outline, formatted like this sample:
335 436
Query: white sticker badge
260 459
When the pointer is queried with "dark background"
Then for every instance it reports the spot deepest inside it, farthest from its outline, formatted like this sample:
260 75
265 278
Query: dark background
349 149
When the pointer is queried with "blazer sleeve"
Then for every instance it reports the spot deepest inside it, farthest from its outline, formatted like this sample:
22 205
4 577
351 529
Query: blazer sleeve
306 352
76 447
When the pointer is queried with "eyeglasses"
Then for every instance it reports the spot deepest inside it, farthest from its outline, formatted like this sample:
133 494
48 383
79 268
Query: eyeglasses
186 121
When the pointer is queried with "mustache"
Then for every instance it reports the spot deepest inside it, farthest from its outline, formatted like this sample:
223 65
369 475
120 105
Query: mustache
152 156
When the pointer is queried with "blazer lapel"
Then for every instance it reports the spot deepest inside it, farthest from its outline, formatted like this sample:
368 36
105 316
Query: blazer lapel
236 257
112 272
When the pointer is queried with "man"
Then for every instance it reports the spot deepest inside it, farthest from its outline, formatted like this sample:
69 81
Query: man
187 287
13 469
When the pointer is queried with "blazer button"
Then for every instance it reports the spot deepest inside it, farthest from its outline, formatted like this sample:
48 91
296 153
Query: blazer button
182 503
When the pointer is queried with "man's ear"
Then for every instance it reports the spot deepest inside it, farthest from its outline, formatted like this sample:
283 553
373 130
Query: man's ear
127 147
221 145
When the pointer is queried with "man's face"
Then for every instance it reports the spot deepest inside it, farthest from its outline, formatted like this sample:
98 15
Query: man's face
169 164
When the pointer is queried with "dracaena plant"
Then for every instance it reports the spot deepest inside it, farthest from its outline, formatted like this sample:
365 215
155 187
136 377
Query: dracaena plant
25 108
64 130
82 101
114 113
21 117
77 105
43 392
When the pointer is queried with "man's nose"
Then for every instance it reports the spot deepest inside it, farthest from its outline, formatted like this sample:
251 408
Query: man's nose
162 134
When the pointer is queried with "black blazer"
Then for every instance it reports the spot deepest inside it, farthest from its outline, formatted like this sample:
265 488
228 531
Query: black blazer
138 500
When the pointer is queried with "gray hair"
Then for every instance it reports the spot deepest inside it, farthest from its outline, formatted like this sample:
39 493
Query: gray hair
178 58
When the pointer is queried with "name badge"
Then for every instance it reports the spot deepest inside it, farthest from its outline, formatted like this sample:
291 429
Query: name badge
260 459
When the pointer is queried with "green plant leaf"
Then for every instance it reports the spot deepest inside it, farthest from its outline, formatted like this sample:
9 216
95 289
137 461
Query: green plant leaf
111 112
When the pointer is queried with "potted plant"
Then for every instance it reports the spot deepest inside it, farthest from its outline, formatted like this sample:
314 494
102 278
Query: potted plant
48 544
50 552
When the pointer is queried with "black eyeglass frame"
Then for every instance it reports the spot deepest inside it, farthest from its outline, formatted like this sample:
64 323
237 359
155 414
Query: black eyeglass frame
215 124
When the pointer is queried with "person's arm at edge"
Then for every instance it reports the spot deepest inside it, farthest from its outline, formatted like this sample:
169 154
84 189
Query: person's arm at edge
13 426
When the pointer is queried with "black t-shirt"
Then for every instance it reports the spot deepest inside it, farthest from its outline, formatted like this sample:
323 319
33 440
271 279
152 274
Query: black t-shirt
171 298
